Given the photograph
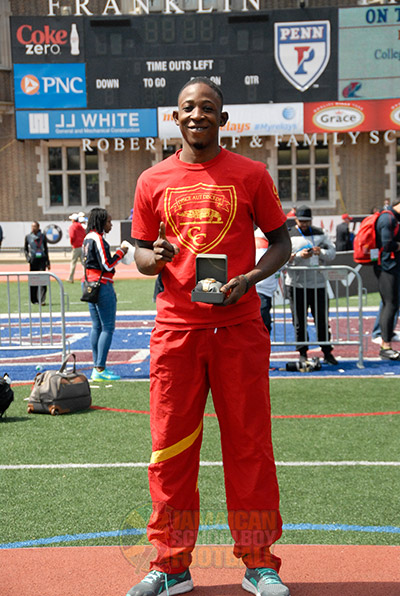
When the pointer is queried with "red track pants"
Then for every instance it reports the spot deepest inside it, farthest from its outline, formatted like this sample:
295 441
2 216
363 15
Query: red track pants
233 362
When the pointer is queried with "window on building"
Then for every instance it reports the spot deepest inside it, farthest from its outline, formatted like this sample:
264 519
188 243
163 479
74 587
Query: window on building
72 177
303 172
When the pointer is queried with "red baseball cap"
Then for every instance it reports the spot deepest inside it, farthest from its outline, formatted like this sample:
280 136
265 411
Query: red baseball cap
347 216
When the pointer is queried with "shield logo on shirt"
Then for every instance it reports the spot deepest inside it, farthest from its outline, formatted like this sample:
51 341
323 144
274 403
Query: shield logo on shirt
200 215
302 51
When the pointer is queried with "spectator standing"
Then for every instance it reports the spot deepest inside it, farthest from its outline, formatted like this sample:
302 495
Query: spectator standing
77 235
99 265
37 255
205 197
311 247
387 271
344 237
266 288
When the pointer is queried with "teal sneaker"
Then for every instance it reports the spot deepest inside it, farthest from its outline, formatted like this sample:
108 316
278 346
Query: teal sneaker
264 581
157 583
104 375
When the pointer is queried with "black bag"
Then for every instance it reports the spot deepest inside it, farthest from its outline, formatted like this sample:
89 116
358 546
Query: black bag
6 395
60 391
91 290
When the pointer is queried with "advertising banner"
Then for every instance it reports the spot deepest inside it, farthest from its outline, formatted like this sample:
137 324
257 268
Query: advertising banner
47 40
49 86
346 116
340 116
92 124
369 52
260 120
389 114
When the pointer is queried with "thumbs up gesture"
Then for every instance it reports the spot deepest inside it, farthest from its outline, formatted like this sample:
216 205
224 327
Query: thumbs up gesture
163 249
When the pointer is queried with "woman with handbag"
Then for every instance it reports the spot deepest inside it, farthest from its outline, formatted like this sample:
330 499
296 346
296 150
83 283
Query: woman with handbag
99 267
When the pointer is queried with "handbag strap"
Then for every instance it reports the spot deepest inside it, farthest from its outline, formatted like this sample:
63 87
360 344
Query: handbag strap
64 364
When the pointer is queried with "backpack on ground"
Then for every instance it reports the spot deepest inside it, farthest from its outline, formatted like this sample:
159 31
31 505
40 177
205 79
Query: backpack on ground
60 391
365 248
6 394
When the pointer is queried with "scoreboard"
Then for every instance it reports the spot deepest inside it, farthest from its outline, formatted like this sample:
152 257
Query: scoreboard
142 61
153 57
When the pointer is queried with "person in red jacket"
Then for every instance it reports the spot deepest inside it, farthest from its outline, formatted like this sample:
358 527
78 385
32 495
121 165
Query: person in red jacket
77 235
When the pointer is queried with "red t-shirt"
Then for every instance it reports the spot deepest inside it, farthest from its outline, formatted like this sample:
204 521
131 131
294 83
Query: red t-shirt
77 234
207 208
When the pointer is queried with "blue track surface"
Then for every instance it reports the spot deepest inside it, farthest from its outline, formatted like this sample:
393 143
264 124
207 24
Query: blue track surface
129 354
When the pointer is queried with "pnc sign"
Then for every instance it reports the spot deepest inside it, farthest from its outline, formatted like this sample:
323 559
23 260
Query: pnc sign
30 84
50 86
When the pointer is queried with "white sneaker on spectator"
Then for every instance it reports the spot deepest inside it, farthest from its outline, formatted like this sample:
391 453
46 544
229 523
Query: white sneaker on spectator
377 340
396 336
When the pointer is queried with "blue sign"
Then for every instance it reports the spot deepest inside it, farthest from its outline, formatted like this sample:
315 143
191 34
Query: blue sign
91 124
50 86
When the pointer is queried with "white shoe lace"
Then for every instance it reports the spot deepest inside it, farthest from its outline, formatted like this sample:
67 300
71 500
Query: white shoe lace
154 575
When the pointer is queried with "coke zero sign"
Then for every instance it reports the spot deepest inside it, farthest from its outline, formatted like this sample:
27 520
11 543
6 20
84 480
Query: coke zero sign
38 39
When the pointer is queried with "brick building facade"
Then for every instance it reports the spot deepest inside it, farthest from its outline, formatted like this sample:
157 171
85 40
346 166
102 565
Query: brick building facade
341 172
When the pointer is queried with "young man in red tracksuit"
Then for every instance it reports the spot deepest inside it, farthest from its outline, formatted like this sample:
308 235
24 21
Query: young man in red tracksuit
205 199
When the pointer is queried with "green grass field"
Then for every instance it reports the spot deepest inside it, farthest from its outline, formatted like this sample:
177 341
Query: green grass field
133 294
45 503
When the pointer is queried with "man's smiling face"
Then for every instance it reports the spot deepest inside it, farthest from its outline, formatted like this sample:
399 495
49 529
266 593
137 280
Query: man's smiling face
199 116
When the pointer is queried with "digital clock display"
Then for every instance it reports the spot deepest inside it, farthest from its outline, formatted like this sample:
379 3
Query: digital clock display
152 57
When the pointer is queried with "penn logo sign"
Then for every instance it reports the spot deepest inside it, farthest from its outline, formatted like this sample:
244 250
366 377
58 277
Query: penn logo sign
302 51
338 119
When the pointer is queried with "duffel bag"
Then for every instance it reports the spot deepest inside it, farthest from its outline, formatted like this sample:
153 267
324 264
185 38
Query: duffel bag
60 391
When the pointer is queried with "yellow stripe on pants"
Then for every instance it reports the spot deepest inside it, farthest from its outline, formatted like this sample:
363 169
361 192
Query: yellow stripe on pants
168 452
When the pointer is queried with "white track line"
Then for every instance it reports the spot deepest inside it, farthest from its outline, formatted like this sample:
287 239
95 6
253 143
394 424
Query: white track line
296 464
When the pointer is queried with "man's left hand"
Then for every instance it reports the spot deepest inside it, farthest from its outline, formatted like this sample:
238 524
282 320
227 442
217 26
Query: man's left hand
234 290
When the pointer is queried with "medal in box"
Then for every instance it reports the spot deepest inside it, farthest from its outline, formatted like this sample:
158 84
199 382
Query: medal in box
211 275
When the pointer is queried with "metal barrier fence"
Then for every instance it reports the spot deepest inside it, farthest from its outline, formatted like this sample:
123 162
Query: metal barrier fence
26 325
336 328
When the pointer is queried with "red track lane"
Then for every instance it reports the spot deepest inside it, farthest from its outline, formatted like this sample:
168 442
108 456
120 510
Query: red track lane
308 570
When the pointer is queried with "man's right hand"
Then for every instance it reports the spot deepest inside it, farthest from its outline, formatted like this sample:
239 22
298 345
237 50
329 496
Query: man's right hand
306 253
163 249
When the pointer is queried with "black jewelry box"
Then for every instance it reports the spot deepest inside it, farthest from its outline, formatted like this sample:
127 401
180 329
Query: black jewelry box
210 266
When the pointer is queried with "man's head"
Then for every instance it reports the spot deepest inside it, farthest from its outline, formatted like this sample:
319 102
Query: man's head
74 217
35 227
346 217
303 217
200 115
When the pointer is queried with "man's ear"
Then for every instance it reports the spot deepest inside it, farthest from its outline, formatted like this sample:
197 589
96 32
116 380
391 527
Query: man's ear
224 118
175 117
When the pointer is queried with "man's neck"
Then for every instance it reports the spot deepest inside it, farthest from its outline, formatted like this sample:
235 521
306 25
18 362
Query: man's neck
190 154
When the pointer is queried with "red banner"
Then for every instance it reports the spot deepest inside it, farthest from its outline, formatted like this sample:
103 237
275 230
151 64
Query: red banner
348 116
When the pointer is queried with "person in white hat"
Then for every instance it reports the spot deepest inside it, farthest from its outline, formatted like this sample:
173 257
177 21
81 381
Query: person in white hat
77 235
